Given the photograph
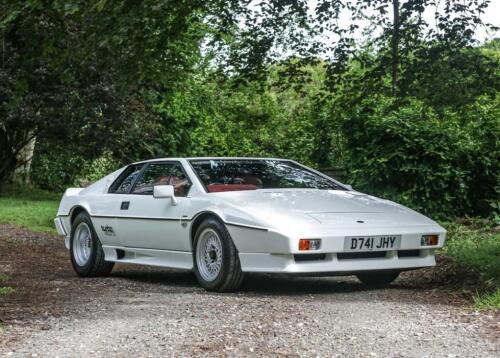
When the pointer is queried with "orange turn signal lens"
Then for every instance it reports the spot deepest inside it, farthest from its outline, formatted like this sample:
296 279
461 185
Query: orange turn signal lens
303 244
309 244
429 240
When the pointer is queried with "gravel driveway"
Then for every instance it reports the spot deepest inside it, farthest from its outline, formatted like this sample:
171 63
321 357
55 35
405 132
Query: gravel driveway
154 312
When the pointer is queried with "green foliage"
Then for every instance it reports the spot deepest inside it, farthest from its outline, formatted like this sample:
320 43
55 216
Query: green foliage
443 164
411 111
98 168
476 245
213 116
31 208
56 167
6 290
83 72
489 301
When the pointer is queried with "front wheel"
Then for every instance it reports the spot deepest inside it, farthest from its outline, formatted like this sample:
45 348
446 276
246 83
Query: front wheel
216 262
86 251
378 278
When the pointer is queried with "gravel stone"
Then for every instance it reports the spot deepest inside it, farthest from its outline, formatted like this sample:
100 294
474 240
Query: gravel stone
151 312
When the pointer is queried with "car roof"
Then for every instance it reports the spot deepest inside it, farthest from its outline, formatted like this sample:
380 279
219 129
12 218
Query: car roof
207 158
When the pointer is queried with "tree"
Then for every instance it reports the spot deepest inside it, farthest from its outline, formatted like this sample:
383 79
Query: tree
92 72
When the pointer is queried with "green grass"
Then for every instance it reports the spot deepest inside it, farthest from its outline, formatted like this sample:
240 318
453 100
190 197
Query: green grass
4 290
489 301
33 209
476 243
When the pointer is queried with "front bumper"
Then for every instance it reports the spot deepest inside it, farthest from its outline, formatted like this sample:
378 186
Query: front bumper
272 252
333 263
61 230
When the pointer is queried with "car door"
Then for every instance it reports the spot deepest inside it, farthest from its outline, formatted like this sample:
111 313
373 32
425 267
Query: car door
106 207
146 222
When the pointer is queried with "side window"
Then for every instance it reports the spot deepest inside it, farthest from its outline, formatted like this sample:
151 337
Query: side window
126 179
162 174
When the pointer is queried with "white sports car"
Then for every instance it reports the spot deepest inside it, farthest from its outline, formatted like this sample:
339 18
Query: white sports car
222 217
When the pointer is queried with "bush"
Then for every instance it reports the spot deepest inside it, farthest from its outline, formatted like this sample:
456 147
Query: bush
441 163
56 167
225 120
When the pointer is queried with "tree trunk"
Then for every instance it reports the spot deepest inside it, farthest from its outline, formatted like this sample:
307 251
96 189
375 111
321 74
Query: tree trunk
7 167
395 47
23 159
16 149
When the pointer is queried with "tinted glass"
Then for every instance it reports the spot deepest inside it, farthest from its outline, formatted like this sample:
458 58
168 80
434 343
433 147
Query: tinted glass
230 175
162 174
128 179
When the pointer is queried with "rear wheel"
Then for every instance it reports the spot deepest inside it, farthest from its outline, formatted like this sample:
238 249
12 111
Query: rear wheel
378 278
86 251
216 262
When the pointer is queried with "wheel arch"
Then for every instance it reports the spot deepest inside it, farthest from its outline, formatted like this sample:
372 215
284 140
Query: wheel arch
75 211
198 219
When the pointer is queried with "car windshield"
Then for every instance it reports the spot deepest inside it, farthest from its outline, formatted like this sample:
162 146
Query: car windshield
250 174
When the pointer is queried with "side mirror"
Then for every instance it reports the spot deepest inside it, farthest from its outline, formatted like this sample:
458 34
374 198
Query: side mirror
165 192
348 186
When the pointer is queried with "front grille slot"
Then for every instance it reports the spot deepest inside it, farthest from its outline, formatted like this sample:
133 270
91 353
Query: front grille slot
309 257
361 255
409 253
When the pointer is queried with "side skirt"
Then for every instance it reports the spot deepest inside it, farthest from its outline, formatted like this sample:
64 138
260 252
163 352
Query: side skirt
163 258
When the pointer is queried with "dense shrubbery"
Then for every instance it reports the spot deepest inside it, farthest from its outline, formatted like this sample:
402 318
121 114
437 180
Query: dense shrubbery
408 108
251 122
208 117
442 163
56 167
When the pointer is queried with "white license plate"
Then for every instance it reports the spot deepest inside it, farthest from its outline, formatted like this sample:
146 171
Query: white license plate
372 243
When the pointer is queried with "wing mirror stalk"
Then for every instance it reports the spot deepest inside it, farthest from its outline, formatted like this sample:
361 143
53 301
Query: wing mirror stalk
164 192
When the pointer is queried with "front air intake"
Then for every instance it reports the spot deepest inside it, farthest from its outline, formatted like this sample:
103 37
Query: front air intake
361 255
309 257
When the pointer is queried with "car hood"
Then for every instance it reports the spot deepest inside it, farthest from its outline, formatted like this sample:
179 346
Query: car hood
292 209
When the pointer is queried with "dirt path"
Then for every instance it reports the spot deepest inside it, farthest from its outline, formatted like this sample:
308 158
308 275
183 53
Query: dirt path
154 312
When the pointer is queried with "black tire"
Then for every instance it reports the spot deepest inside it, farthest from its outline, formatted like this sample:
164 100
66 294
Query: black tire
378 278
95 266
230 276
